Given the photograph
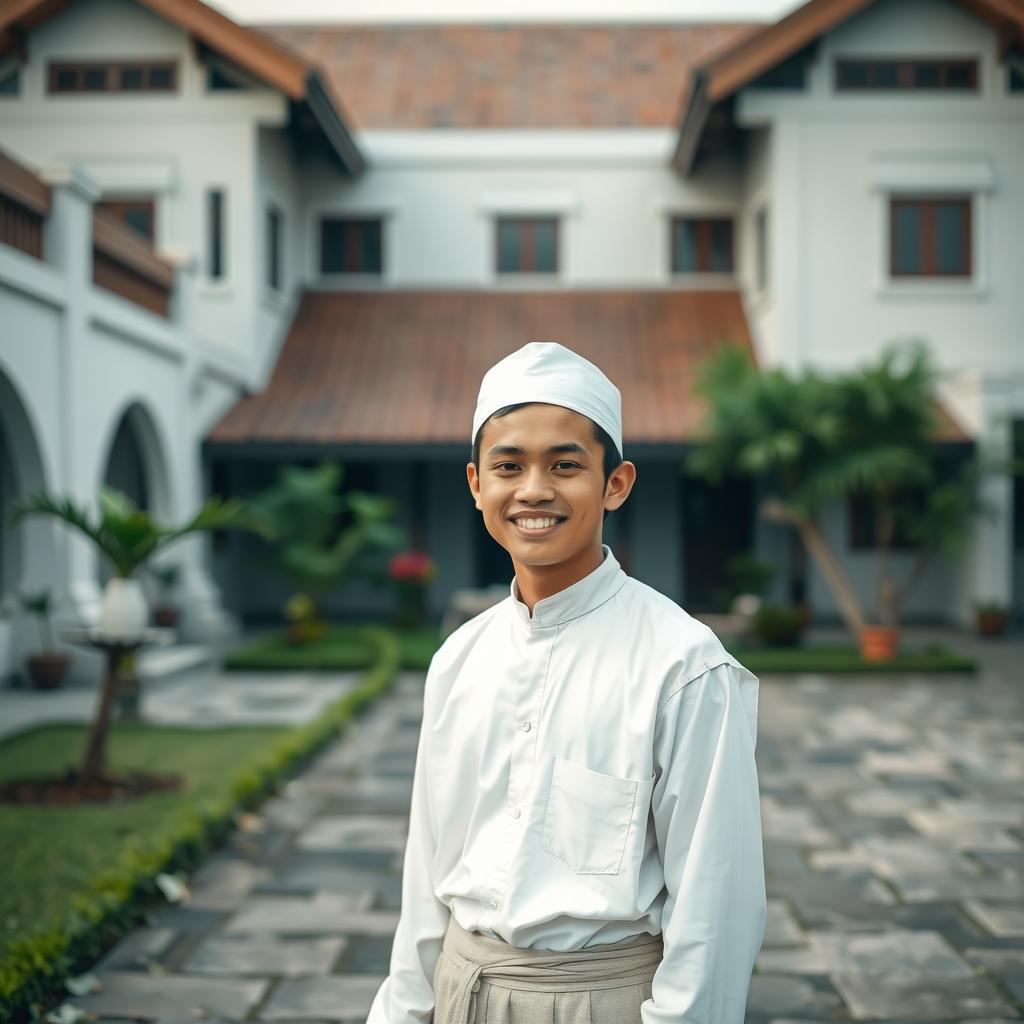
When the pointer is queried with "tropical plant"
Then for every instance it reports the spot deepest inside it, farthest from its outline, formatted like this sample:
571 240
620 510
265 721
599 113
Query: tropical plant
317 556
812 439
128 537
125 534
38 604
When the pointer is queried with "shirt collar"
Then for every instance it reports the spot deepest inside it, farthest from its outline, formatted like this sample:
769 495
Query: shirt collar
577 599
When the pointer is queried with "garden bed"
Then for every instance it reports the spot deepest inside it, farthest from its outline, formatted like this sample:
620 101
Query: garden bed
789 660
77 878
343 648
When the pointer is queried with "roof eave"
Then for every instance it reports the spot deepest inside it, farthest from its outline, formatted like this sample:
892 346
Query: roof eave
694 119
333 126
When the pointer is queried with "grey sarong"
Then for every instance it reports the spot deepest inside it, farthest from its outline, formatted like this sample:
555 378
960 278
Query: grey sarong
480 980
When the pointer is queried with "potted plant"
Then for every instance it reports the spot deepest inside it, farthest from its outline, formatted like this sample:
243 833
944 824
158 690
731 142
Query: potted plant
128 537
165 613
411 573
813 439
778 625
46 668
991 617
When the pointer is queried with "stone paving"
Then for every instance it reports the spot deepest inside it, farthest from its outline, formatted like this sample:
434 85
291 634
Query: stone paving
893 811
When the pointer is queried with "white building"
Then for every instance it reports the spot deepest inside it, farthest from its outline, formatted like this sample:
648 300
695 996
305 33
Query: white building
347 224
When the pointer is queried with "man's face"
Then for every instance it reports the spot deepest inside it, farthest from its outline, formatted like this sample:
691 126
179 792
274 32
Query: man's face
540 484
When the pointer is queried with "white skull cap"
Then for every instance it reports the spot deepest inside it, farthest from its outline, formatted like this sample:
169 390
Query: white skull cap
544 371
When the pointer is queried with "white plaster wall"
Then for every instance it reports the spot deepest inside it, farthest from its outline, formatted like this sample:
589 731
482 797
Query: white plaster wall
835 156
174 146
614 194
277 183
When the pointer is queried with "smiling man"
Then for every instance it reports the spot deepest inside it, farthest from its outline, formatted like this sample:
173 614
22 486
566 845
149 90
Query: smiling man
585 835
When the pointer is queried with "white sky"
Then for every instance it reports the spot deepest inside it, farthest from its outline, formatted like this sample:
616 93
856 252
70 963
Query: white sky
500 10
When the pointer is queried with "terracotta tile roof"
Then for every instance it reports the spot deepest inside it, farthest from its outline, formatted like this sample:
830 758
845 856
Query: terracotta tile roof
405 366
511 76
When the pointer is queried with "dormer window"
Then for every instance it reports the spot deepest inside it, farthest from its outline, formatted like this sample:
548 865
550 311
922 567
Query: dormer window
923 75
112 76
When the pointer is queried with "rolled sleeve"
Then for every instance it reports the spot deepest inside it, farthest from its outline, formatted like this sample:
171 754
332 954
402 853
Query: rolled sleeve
706 809
407 994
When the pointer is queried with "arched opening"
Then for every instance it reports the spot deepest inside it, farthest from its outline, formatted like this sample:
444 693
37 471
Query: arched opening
136 466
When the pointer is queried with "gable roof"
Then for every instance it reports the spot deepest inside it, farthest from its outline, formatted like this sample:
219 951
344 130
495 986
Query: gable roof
266 58
716 80
491 76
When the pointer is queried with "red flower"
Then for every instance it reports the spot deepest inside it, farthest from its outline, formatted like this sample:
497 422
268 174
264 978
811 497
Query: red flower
411 565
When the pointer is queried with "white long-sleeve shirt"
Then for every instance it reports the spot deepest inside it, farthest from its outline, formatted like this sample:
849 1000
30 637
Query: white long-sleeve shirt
583 775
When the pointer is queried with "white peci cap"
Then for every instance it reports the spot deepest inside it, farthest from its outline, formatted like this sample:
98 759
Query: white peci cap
544 371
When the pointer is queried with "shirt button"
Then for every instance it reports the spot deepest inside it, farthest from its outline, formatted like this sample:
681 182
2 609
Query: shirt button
516 812
526 726
494 901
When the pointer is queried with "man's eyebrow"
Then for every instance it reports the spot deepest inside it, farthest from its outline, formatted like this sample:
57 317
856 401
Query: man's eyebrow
509 449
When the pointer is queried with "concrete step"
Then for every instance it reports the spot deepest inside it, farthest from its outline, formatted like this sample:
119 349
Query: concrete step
160 663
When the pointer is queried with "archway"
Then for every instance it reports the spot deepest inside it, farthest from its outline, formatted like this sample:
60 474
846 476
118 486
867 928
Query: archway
137 466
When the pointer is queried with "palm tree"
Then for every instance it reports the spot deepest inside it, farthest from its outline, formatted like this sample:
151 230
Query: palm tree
814 439
128 537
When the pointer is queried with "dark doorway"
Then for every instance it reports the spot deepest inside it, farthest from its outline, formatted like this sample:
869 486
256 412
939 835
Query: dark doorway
718 522
493 563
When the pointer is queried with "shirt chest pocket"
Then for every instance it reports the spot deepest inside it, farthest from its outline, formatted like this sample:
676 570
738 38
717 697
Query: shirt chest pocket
589 815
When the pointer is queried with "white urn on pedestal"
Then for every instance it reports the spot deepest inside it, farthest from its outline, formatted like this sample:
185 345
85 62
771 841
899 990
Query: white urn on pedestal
124 613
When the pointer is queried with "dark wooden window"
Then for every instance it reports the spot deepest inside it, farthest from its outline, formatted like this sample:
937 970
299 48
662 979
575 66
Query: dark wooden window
215 234
526 245
274 247
139 214
702 245
928 75
930 237
761 248
112 76
351 245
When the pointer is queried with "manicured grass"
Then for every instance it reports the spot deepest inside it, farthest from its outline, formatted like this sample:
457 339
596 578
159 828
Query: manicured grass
847 659
52 854
343 648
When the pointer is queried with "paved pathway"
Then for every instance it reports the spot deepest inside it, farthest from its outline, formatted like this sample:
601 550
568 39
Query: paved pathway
893 814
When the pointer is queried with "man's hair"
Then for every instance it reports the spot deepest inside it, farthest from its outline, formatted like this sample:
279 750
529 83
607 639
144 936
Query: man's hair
611 459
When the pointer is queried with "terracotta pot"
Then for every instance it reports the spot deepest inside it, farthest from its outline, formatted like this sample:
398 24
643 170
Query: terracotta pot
879 643
992 623
165 615
46 670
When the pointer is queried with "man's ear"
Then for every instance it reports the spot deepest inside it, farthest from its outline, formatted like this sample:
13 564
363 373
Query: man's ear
620 483
474 482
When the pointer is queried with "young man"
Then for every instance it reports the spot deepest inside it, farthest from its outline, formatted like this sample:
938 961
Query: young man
585 835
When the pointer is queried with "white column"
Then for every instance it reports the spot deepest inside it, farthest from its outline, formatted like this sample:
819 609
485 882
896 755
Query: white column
68 247
202 617
991 555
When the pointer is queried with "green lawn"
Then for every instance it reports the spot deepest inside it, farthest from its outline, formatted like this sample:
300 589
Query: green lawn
847 659
343 648
50 854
